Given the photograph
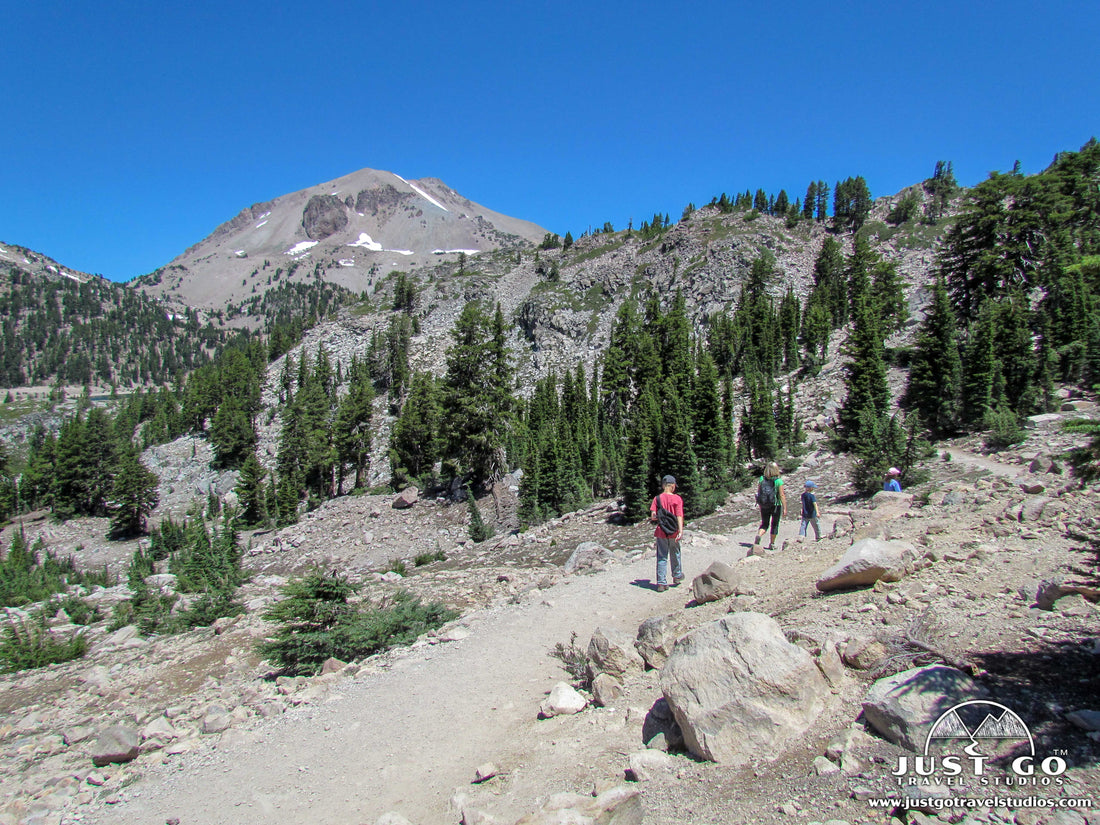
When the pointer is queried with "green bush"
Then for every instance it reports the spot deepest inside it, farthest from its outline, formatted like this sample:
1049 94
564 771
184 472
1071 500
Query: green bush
78 610
317 622
205 562
1003 429
422 559
34 574
479 530
27 644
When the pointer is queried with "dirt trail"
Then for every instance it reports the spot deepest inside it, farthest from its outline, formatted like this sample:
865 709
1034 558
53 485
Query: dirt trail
982 462
406 735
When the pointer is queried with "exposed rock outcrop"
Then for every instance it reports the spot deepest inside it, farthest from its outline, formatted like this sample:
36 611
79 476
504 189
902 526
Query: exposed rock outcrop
323 216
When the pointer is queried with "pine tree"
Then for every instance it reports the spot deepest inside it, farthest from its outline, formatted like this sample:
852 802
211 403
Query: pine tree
711 437
133 496
415 444
639 477
935 382
865 375
476 395
980 370
353 432
250 492
479 530
232 435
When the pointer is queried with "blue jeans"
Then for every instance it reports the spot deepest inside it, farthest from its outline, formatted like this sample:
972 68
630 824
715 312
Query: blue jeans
666 549
815 521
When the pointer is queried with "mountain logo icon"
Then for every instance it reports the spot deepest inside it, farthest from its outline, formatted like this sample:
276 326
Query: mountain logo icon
976 721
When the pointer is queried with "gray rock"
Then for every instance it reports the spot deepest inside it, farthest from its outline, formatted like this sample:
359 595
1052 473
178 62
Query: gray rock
888 504
406 499
216 720
902 707
562 701
164 583
1044 463
612 652
716 582
619 805
606 690
740 691
118 743
644 764
159 729
1032 509
862 653
1074 605
868 561
656 637
1085 719
588 555
823 767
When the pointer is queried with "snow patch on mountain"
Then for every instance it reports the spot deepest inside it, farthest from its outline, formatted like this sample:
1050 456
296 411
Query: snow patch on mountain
299 248
365 241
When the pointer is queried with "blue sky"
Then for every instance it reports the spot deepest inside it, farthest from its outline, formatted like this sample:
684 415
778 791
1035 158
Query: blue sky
133 129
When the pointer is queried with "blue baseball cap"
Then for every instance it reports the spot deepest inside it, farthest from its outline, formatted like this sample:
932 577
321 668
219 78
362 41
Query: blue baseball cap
810 482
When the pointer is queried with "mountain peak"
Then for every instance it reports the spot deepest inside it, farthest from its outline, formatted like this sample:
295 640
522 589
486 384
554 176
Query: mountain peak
350 231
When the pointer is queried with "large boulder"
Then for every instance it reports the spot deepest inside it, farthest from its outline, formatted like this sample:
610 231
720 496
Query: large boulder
612 652
657 635
904 706
740 691
867 561
716 582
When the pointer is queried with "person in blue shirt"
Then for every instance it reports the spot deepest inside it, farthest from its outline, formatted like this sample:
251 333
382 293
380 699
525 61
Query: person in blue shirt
891 483
809 511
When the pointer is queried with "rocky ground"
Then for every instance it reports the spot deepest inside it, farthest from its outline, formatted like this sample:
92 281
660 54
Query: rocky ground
224 741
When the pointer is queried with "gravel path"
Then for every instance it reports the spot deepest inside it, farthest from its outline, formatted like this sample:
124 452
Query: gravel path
404 736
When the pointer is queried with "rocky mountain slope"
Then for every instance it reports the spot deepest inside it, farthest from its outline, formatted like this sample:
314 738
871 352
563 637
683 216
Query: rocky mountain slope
449 730
351 231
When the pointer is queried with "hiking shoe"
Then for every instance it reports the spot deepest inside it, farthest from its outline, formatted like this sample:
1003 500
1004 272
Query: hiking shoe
661 588
676 581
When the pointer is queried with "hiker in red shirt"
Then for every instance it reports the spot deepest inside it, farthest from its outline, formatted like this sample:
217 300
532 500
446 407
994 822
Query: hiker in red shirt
668 544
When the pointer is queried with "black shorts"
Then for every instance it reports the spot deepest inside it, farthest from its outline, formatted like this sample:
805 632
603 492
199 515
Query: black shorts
770 516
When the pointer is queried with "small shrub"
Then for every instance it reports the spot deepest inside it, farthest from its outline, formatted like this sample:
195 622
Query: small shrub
422 559
27 645
34 574
317 622
1004 429
78 610
479 530
574 660
399 567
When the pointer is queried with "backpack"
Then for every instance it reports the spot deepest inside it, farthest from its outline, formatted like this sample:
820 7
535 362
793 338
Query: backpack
765 492
666 520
